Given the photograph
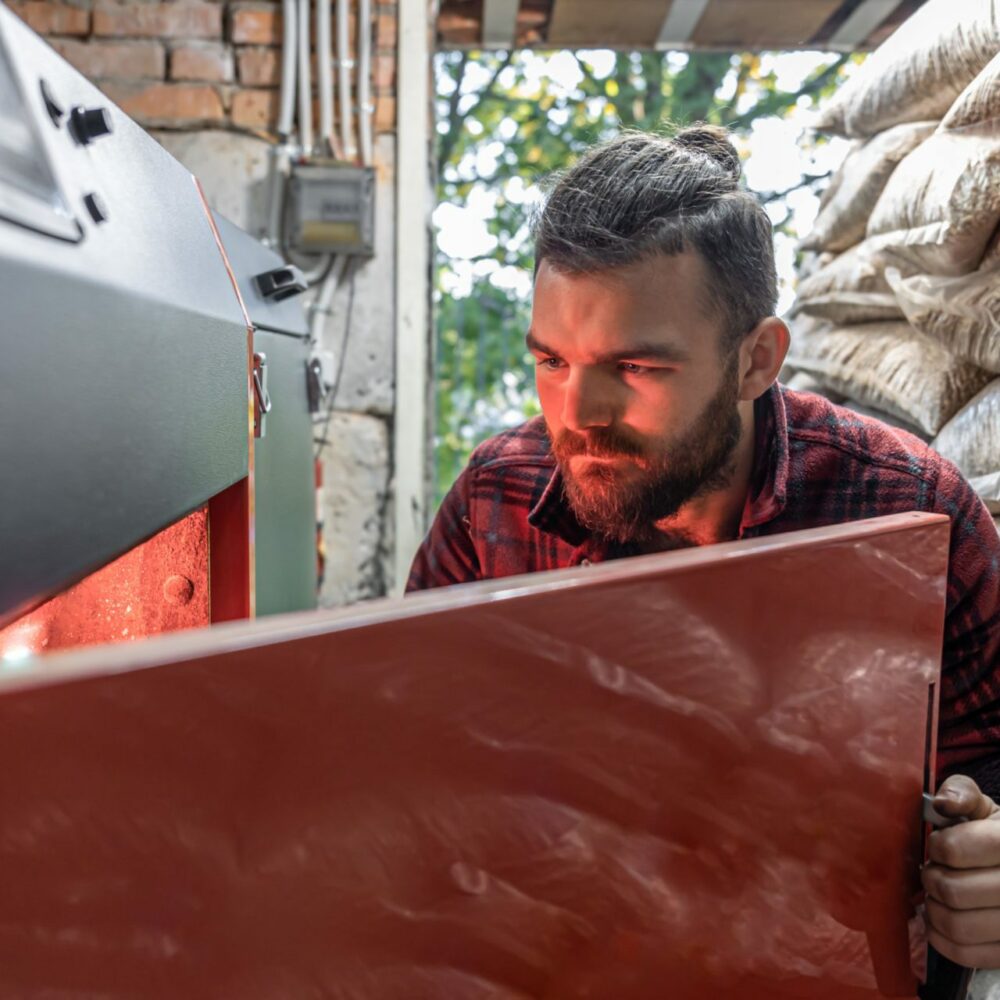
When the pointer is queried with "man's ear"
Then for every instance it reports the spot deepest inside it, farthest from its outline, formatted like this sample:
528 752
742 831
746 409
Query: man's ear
762 354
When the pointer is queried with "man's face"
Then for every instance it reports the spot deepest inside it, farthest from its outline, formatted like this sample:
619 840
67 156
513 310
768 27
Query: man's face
640 405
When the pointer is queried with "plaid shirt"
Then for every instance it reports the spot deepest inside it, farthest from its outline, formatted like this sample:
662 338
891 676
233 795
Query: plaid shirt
814 464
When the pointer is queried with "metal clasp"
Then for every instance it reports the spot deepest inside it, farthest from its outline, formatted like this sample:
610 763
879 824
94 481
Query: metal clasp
261 399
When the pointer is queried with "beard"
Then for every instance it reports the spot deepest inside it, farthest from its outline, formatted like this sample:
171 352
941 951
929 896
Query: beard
625 508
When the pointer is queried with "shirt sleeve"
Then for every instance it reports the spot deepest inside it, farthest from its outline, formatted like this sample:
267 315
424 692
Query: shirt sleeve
447 555
970 670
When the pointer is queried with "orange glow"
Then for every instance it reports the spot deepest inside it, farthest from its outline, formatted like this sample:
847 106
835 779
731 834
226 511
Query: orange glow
159 586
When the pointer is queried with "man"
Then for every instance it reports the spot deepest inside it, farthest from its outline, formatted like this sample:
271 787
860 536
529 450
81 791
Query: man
663 426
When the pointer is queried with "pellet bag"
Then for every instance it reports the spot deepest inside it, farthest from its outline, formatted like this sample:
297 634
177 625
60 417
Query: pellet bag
979 102
971 439
888 366
852 288
942 203
918 72
854 189
962 314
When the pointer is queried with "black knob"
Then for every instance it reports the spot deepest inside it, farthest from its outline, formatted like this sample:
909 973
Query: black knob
89 124
96 207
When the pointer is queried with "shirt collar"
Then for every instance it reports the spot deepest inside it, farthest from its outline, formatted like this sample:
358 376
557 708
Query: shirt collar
554 515
768 479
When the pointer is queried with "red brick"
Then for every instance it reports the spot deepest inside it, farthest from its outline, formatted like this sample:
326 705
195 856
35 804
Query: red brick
255 109
385 72
256 24
101 60
259 67
386 29
209 61
52 18
184 19
385 114
169 104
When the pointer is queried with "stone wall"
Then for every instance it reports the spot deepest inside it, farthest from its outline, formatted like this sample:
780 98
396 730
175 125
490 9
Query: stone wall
203 78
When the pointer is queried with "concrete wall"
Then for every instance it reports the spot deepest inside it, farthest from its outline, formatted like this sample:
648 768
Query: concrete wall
203 76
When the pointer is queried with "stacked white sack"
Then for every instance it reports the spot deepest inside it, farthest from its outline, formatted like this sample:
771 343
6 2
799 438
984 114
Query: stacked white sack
899 313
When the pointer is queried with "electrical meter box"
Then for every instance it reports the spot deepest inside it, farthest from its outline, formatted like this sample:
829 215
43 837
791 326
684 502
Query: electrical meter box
331 209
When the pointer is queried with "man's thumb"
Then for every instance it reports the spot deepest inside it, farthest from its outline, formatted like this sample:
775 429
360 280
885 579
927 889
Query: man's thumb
960 796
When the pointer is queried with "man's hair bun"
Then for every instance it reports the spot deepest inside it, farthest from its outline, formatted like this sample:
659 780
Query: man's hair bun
713 141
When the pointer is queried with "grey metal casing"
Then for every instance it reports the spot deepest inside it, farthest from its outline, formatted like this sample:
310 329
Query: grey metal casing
284 483
123 379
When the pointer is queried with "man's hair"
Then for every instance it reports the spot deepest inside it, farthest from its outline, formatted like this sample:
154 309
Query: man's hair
640 195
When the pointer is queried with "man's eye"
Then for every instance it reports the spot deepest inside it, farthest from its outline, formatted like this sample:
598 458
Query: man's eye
631 368
551 363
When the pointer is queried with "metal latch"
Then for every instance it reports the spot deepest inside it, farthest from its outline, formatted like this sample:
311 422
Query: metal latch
281 283
261 399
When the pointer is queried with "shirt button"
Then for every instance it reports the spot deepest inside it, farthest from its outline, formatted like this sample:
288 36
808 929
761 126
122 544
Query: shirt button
584 562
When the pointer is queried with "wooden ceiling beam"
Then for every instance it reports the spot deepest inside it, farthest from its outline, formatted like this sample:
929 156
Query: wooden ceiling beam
600 23
861 22
757 24
679 24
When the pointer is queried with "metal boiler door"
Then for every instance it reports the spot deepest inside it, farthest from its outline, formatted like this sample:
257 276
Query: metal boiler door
689 775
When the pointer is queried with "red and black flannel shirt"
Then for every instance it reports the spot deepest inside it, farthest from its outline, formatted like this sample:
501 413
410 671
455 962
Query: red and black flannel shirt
814 464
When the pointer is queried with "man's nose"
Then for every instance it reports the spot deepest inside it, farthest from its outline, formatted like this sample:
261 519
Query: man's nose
586 403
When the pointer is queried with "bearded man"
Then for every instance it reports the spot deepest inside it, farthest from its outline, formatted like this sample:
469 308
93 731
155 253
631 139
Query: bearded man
663 426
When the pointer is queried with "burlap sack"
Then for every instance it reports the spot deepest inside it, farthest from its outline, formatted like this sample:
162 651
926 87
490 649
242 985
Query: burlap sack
971 439
988 488
855 188
919 71
942 203
962 314
979 102
851 288
887 366
803 382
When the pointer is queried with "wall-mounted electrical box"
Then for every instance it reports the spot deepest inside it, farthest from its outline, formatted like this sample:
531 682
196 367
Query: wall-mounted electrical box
331 209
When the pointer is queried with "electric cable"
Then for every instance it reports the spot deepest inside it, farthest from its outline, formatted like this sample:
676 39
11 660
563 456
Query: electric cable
324 440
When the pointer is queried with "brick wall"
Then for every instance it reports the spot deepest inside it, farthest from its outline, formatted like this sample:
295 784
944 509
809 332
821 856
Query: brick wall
187 64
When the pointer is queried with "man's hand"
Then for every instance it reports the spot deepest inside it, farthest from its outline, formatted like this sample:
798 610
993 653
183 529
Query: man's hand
962 879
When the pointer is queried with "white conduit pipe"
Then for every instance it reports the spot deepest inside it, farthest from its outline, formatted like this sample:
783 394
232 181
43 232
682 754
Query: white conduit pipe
344 64
289 42
365 108
275 200
321 307
305 81
324 53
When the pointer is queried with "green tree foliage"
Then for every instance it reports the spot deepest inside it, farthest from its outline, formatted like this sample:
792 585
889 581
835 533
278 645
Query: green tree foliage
505 125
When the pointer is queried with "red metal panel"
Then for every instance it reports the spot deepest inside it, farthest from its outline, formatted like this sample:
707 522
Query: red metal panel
230 525
690 775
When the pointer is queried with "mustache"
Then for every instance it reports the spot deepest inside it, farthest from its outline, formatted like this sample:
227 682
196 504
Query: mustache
602 442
